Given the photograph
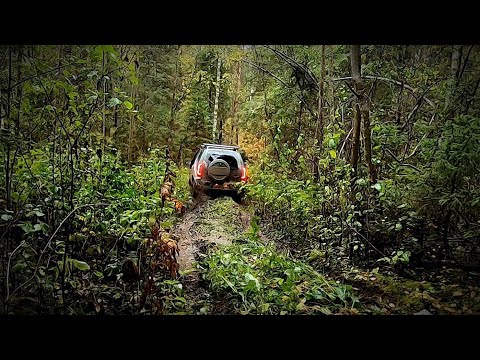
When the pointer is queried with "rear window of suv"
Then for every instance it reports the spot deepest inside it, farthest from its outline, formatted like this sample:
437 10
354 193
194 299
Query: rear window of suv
233 158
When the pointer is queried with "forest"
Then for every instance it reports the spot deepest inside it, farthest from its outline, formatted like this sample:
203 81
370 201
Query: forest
363 191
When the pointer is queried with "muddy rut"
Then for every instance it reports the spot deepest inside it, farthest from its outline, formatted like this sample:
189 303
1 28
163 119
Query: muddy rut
209 223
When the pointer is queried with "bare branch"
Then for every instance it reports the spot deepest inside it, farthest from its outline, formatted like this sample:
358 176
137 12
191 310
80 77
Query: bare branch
294 64
48 244
8 267
464 65
282 82
402 164
345 141
37 75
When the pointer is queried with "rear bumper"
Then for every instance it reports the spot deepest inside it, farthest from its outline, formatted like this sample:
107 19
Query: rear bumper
212 189
227 187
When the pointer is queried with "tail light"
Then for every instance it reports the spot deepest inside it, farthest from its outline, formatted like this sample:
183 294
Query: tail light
200 167
244 176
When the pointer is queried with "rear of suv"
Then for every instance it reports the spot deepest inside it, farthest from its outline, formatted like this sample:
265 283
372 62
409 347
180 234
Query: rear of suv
218 168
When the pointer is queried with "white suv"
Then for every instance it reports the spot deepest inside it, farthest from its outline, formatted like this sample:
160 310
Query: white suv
218 168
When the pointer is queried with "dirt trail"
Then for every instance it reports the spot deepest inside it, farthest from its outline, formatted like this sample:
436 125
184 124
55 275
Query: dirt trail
211 222
215 221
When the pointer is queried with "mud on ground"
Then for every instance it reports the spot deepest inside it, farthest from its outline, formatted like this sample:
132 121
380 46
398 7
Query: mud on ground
209 223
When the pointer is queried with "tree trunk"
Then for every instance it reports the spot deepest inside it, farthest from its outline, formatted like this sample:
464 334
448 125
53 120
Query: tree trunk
333 108
217 96
356 139
299 125
104 109
363 111
174 96
220 130
19 94
239 88
236 102
355 67
131 130
113 94
319 125
455 64
321 100
236 136
196 126
6 125
368 143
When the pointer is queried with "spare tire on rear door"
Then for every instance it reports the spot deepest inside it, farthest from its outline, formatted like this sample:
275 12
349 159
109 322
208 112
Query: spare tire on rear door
218 170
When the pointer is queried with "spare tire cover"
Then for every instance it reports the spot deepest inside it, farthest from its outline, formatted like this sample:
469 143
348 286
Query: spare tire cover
219 169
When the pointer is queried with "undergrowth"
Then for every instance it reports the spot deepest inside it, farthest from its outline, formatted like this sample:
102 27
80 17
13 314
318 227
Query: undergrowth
259 280
83 267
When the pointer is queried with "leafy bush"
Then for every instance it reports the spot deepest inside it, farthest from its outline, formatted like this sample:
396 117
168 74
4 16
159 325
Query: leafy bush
97 239
450 183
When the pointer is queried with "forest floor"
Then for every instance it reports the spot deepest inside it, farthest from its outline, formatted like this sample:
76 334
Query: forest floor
213 226
210 223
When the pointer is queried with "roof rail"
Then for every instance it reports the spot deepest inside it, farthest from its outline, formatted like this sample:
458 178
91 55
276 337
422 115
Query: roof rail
234 147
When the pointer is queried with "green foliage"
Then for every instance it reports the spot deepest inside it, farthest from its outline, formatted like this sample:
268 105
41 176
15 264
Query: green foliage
398 257
132 205
174 300
450 182
305 211
85 129
262 281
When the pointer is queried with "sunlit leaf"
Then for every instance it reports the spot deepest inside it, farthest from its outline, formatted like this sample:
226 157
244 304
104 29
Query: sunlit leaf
113 102
80 265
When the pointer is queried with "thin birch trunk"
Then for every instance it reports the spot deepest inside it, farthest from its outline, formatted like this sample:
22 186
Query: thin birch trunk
217 96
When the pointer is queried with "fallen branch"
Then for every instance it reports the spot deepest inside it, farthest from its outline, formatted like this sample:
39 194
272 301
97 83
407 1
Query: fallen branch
267 72
392 81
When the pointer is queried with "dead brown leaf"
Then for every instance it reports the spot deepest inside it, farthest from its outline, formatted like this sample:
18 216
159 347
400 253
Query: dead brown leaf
179 207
